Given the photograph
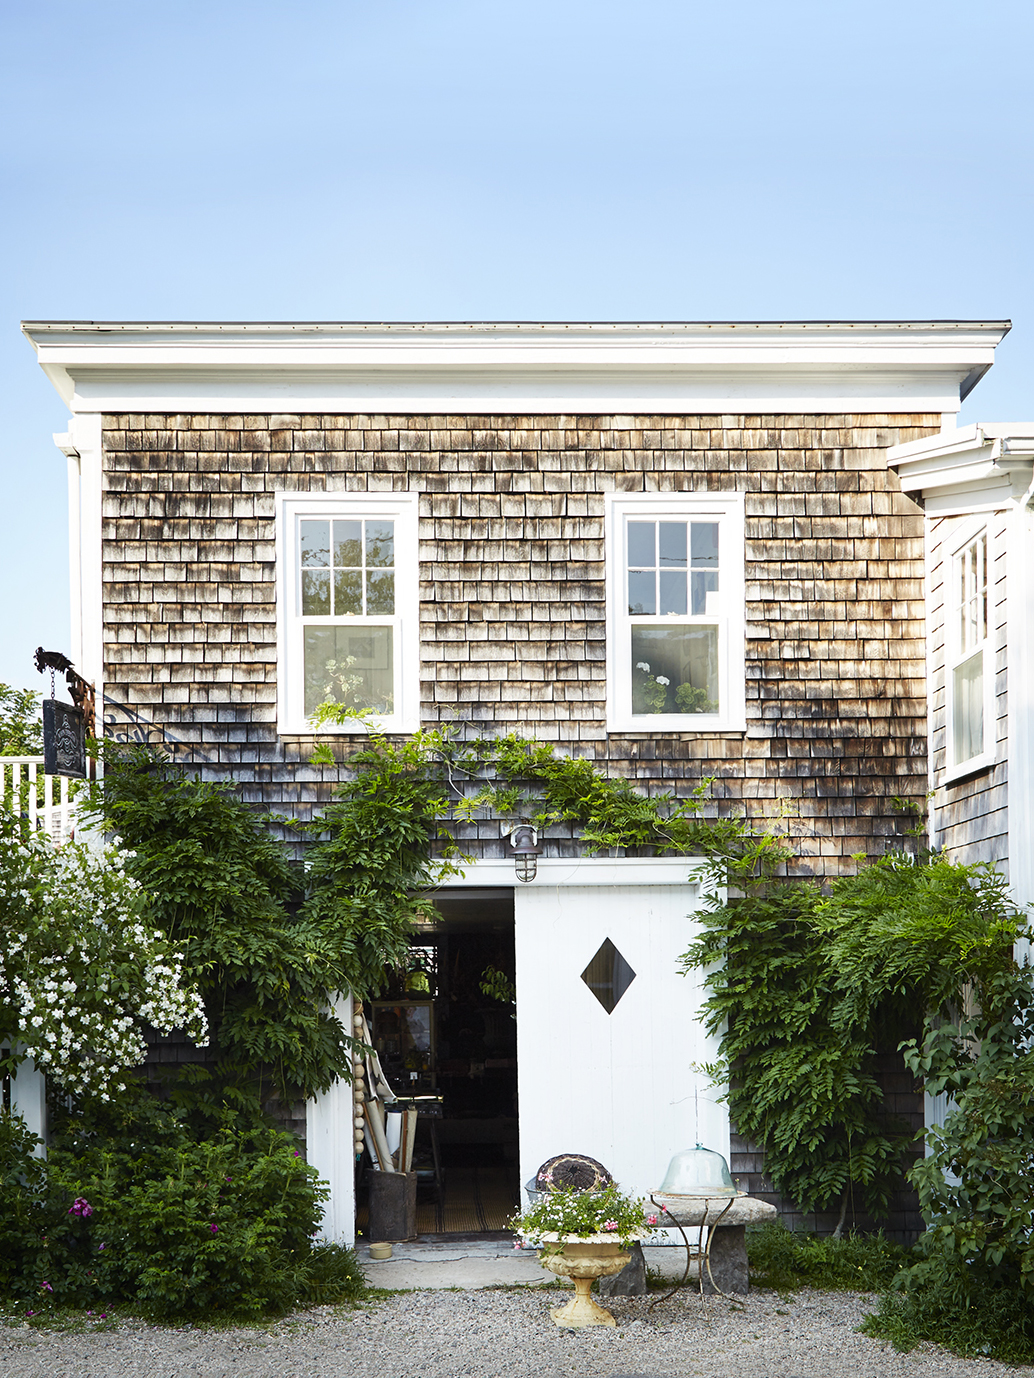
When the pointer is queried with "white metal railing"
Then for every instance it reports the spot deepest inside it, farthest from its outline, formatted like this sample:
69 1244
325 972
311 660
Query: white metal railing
44 800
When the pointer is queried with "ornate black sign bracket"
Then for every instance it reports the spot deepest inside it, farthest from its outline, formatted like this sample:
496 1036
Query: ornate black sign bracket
66 726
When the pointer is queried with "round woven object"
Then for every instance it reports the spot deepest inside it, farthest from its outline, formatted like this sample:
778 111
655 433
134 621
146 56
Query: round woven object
572 1172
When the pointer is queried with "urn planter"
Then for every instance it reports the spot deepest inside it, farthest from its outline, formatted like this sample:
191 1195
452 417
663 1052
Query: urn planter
582 1258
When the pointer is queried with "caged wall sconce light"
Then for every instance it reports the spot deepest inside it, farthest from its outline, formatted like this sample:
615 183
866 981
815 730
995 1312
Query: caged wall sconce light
524 843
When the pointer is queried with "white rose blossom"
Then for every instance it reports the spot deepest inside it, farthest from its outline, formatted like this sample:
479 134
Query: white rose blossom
82 972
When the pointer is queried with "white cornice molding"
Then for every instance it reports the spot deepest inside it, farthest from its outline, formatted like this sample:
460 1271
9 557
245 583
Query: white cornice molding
974 468
614 368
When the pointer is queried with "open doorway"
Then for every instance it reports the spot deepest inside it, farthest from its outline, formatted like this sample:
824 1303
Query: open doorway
446 1034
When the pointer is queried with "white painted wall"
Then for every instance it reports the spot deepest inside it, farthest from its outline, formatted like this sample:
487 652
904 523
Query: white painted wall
618 1087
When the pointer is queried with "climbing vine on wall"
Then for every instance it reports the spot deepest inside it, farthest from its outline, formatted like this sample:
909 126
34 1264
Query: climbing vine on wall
806 987
268 942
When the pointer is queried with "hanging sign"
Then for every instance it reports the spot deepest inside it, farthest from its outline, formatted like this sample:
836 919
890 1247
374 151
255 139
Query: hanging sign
64 739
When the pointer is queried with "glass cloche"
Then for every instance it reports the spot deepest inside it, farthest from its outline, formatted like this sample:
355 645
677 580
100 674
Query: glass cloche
698 1172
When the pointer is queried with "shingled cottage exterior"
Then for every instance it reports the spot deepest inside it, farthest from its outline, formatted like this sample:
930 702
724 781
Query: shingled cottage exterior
673 548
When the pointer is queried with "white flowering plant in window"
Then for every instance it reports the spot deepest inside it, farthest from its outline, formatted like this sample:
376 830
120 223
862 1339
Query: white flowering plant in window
80 969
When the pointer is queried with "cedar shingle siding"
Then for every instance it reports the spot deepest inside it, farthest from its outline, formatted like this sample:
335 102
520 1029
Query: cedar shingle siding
513 609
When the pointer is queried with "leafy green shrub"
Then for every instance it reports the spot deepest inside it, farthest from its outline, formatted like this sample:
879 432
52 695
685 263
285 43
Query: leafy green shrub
783 1260
130 1209
972 1286
28 1217
224 890
807 988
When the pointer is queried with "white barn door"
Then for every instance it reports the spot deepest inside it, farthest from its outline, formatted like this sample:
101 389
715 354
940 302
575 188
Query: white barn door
617 1086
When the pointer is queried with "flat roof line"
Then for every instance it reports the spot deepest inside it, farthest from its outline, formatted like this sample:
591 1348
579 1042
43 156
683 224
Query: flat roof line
1004 325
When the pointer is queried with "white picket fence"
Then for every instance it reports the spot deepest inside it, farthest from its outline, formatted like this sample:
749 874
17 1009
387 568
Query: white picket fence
44 800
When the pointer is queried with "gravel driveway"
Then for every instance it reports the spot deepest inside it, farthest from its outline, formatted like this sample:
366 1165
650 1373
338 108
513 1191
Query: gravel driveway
498 1334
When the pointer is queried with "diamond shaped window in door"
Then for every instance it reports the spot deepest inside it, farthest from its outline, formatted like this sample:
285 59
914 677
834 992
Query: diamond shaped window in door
608 976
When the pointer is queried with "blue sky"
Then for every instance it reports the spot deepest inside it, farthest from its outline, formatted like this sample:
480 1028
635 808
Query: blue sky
445 159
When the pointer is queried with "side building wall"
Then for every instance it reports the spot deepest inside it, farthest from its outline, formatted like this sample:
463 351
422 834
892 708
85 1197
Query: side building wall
971 812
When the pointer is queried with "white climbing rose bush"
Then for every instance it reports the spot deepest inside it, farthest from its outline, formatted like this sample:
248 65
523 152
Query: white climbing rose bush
80 970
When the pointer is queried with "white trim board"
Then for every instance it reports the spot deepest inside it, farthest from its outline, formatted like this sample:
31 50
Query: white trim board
661 870
595 367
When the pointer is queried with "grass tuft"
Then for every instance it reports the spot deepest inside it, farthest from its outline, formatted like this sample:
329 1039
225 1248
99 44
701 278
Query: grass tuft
782 1261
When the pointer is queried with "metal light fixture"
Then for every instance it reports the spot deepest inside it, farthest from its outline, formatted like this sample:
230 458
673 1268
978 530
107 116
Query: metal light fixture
524 843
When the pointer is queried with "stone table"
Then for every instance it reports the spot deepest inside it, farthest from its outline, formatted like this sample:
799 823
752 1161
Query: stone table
729 1242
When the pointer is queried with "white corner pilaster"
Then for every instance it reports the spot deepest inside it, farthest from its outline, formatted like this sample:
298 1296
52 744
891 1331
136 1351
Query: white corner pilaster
329 1146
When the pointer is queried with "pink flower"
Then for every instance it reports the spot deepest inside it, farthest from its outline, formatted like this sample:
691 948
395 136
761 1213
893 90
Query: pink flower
651 1220
46 1287
214 1229
610 1224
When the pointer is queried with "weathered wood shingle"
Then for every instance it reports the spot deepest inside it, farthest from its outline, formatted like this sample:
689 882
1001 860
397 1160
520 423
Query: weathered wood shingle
512 592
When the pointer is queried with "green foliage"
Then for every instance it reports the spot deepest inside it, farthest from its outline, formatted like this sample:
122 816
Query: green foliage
607 1211
21 722
130 1208
897 931
972 1286
374 859
807 988
27 1215
223 889
782 1260
610 812
691 699
79 970
498 986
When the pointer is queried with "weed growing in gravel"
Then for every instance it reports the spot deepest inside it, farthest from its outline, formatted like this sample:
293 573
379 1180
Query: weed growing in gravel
782 1261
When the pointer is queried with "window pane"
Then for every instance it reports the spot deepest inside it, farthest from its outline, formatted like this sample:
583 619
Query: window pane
315 538
702 583
348 593
674 670
704 544
348 544
672 590
642 545
380 544
353 666
316 592
380 592
673 543
642 596
968 709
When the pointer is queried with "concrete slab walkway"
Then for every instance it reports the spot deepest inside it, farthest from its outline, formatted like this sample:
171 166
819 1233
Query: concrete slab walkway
475 1261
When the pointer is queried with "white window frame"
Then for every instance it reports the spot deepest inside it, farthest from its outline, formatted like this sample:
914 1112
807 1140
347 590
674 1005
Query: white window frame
403 509
955 656
728 613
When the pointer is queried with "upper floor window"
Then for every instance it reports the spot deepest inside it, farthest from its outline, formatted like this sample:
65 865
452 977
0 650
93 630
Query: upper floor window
970 668
347 608
676 617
